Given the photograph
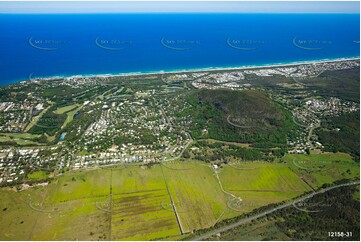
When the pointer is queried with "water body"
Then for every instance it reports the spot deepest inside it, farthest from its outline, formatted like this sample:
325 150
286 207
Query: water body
42 45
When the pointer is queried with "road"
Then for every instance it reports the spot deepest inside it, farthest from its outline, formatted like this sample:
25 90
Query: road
310 134
246 220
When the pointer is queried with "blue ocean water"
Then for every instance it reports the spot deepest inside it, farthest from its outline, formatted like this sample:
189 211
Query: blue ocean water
42 45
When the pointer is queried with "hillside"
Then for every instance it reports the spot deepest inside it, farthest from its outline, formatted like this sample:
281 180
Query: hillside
248 116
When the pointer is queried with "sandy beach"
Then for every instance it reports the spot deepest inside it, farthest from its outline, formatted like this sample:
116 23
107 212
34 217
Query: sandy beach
210 69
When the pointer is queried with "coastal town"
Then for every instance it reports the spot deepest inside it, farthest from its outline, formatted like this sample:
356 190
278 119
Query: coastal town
117 122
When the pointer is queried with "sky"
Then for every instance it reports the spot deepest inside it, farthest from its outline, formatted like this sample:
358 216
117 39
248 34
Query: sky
179 7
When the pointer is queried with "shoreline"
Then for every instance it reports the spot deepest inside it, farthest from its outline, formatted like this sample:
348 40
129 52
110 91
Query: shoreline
207 69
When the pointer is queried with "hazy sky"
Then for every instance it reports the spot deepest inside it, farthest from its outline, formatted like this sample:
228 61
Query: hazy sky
161 7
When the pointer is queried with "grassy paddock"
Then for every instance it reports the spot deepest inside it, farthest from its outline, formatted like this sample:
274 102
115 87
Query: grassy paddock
135 202
318 169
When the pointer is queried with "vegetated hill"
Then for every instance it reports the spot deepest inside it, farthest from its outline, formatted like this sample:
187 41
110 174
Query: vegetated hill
344 84
341 133
240 116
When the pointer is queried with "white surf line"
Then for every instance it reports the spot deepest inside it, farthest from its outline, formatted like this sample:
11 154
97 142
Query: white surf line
215 69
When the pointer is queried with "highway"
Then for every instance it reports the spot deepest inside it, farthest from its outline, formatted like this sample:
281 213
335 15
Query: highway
246 220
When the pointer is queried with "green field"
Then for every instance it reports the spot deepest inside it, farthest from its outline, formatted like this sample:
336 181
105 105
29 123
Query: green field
318 169
143 202
70 116
196 194
65 109
138 195
260 183
36 118
19 138
37 175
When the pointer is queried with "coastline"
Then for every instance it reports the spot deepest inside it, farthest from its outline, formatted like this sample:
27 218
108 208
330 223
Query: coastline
208 69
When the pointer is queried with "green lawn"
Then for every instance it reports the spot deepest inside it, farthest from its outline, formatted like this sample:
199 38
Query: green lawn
37 175
65 109
70 116
19 138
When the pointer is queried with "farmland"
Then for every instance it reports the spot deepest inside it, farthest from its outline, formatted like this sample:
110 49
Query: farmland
142 202
259 184
319 169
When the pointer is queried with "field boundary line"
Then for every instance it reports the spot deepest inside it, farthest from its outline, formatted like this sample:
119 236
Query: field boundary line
173 205
220 216
111 204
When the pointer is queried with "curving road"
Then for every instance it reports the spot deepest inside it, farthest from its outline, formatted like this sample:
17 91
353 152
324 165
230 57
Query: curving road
246 220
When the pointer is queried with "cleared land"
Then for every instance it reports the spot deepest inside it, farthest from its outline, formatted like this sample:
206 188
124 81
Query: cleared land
260 183
318 169
197 195
140 202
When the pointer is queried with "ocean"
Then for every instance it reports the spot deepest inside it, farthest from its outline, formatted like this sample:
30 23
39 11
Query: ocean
44 45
